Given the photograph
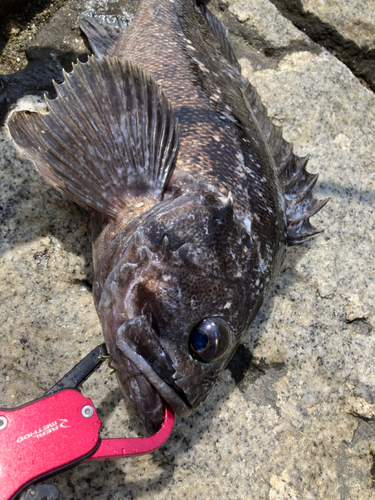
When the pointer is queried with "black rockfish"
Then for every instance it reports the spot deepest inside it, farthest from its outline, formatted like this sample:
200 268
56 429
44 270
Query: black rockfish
190 220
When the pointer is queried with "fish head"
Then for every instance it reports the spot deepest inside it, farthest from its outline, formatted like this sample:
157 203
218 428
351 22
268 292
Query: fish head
175 306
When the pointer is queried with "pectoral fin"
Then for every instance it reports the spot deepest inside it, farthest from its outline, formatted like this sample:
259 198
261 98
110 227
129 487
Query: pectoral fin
111 134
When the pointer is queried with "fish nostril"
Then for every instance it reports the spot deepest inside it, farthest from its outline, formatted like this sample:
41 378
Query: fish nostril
208 381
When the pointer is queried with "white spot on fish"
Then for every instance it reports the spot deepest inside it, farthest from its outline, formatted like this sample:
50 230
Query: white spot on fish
227 116
246 222
262 265
241 159
202 67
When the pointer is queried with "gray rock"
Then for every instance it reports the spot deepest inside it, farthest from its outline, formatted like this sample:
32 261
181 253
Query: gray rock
41 51
259 16
296 419
344 28
353 20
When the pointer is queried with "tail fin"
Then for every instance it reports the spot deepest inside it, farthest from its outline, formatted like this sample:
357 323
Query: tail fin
110 134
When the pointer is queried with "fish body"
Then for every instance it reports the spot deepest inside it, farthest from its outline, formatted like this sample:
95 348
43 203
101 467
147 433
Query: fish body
193 196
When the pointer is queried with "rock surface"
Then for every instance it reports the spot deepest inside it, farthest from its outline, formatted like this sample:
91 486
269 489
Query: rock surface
344 28
295 419
353 20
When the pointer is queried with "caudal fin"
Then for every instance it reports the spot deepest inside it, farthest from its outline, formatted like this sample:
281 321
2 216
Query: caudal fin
110 134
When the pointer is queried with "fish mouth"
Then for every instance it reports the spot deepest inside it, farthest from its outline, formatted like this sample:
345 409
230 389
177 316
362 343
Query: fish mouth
139 344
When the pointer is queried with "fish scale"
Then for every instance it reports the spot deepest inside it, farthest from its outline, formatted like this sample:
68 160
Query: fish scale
199 121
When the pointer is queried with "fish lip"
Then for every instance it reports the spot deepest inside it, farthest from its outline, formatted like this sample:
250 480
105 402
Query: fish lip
166 392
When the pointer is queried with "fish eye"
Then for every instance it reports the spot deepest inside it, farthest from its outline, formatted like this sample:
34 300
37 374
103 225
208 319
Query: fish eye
210 339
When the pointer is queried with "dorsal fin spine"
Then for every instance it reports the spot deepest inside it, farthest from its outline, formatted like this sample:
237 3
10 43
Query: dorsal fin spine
296 182
291 169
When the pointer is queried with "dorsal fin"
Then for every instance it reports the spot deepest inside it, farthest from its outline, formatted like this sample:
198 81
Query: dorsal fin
110 134
103 32
220 32
295 181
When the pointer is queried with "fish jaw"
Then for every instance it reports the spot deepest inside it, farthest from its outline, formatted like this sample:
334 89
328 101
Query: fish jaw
138 344
141 396
159 379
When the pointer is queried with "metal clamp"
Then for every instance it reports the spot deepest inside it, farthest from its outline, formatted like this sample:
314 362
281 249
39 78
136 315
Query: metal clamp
41 492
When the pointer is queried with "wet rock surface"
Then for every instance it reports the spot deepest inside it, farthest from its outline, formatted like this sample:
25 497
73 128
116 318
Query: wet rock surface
40 44
294 415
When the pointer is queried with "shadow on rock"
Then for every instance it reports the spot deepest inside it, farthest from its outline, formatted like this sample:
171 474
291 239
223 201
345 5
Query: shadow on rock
19 12
45 64
360 60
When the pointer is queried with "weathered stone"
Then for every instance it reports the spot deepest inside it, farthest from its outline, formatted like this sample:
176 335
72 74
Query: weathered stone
260 16
348 36
295 419
353 20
